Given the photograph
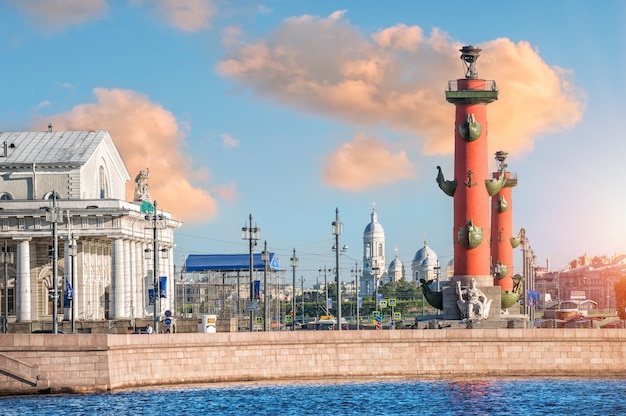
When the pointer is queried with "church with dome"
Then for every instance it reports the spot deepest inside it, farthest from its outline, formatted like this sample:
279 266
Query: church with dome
425 264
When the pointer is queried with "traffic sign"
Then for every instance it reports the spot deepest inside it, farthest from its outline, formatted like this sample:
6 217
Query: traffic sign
392 302
168 321
252 306
168 313
397 316
383 303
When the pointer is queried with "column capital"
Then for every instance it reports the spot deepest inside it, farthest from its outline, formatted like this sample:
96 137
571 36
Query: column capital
21 238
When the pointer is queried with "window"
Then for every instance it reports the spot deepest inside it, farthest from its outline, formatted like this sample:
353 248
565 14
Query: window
103 183
48 195
5 196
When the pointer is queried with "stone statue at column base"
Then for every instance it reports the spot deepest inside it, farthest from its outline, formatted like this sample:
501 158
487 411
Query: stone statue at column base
472 302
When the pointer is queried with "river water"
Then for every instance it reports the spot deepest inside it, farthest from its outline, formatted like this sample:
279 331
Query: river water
373 397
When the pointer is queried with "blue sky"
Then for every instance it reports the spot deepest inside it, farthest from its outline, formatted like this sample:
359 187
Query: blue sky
289 109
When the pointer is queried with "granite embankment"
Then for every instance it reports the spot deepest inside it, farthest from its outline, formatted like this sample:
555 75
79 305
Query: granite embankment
32 363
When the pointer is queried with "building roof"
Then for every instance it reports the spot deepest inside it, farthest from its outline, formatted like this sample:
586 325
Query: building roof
425 256
55 148
374 226
228 262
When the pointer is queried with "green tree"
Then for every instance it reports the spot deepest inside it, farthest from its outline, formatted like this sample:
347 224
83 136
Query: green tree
400 290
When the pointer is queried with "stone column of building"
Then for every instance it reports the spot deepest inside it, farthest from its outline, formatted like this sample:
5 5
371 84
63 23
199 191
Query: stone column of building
78 286
87 276
471 198
83 280
128 297
502 228
24 292
132 260
117 279
139 277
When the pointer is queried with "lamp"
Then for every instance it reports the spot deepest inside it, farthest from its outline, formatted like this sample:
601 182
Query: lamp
72 252
54 216
356 272
252 234
375 269
294 264
337 230
265 256
154 219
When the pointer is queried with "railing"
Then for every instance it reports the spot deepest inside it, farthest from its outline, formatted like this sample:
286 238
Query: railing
489 85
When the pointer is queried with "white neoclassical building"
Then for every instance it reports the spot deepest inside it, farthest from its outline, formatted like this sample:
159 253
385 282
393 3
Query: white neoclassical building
72 184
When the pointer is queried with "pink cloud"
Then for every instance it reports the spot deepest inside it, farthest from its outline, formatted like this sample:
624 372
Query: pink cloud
397 76
144 130
364 163
185 15
61 14
227 192
400 37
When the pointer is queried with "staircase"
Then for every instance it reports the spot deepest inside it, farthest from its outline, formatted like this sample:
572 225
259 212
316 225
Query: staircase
22 376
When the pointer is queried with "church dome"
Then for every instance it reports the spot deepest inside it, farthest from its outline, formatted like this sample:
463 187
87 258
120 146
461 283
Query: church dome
374 226
395 263
425 256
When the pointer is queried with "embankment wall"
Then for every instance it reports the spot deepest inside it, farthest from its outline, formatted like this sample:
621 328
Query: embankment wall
100 362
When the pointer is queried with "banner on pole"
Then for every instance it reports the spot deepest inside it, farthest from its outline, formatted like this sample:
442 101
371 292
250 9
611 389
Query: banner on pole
163 287
257 289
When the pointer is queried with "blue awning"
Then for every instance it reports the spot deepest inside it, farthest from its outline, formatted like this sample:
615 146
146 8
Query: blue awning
228 262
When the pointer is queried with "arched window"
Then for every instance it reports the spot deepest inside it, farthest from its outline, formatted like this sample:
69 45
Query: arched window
6 196
103 183
48 195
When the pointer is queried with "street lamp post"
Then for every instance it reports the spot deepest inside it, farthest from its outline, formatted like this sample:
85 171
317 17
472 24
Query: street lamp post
356 288
54 216
252 234
375 269
72 252
6 257
337 230
265 255
156 289
294 264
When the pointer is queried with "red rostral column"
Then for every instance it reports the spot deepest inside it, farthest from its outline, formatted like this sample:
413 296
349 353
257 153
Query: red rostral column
502 227
471 95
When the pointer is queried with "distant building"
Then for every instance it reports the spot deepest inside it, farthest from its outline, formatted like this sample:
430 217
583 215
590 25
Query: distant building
77 179
396 269
374 266
425 265
584 279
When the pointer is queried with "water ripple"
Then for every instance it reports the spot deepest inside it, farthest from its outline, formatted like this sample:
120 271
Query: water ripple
375 397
